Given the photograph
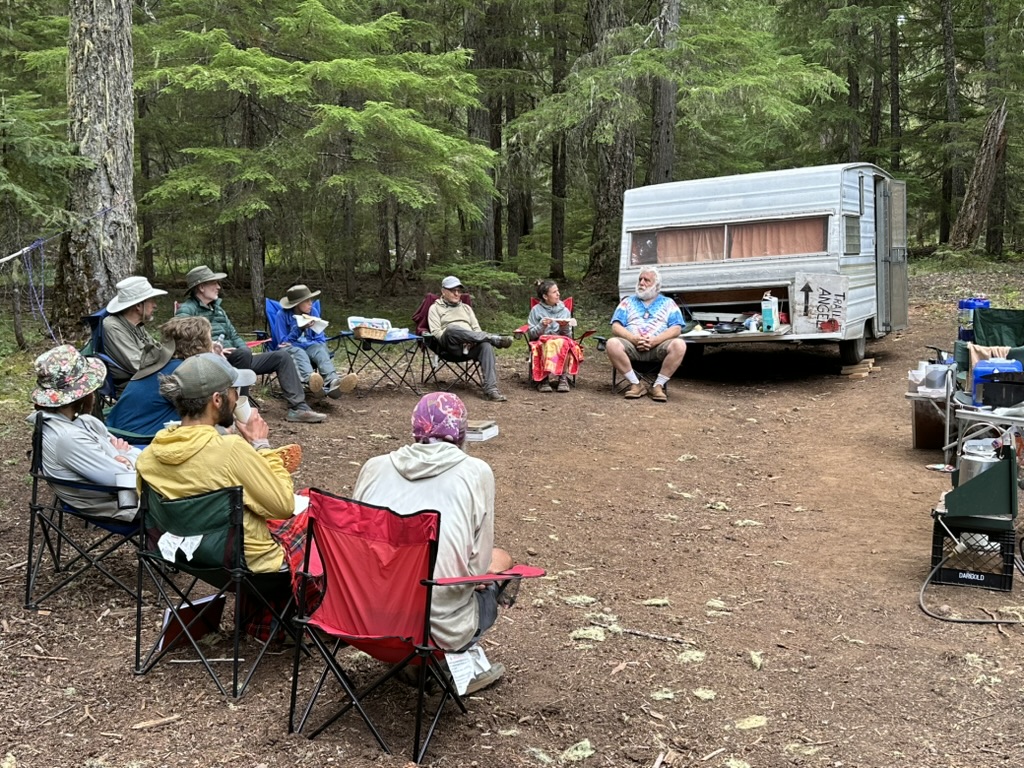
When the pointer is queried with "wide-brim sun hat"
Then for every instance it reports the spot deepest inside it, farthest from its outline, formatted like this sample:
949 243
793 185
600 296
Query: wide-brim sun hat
154 357
132 291
64 375
202 274
296 295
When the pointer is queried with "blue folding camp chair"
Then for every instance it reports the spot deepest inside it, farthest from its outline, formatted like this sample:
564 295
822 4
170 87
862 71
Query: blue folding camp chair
106 395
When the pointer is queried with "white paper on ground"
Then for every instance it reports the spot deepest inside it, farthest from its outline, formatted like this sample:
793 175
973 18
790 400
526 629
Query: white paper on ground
170 543
465 666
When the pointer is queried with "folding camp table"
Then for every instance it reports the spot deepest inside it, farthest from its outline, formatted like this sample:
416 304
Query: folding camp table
390 360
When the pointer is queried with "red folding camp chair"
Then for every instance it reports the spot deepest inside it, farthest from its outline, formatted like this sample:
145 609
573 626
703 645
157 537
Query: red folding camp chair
379 569
535 344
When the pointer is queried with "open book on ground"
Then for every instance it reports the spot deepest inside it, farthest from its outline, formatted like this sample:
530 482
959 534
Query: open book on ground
204 615
477 431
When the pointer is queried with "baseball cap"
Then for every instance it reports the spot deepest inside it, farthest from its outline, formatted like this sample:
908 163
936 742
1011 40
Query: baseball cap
451 282
202 375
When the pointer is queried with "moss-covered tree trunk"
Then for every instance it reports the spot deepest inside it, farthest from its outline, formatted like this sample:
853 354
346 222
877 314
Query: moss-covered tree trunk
101 247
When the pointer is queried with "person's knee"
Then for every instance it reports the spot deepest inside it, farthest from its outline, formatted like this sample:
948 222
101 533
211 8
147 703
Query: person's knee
500 560
614 346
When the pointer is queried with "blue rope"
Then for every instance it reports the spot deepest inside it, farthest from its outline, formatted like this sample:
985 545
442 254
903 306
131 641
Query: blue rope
38 297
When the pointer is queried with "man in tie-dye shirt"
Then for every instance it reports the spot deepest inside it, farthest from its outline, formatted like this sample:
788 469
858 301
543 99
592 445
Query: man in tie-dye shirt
647 327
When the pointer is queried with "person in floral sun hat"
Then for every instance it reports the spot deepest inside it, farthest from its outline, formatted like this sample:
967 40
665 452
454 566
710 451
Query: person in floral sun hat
76 446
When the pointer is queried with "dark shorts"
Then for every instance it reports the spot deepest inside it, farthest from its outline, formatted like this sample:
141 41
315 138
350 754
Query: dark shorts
487 608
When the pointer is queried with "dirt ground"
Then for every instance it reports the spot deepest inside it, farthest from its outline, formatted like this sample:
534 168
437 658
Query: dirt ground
732 581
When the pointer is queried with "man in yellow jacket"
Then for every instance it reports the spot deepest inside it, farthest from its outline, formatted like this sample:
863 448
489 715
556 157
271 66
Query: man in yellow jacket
194 457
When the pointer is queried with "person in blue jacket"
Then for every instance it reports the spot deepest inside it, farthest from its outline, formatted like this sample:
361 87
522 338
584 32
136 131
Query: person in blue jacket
306 342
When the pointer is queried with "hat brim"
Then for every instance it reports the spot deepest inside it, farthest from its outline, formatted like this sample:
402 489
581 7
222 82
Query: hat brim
116 306
213 277
285 304
244 377
166 353
91 380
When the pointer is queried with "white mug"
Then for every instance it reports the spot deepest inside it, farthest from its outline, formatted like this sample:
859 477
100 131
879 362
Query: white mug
243 410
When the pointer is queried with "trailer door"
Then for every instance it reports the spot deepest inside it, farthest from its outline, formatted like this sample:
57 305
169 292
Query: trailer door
891 255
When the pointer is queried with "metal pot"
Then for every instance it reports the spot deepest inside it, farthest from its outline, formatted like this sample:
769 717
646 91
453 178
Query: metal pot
973 464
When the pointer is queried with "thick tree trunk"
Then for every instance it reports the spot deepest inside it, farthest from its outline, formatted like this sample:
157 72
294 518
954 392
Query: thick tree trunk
974 210
256 250
101 247
481 240
853 97
663 107
615 161
148 268
877 89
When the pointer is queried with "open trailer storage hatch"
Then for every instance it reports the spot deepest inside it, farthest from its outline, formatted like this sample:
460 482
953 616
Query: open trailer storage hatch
826 246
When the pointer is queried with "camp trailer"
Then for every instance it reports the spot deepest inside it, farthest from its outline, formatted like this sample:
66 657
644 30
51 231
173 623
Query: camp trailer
826 246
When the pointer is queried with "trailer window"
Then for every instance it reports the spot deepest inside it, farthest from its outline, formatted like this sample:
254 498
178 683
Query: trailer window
852 247
789 237
678 246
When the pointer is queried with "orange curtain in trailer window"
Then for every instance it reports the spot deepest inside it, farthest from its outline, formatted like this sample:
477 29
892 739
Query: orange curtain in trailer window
791 237
678 246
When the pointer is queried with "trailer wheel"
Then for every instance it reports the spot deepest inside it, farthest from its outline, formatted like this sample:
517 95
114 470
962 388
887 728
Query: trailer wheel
851 351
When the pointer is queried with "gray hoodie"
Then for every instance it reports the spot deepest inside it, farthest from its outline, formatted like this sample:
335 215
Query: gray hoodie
442 477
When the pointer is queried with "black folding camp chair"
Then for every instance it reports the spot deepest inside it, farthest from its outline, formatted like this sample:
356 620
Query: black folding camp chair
68 540
218 561
439 364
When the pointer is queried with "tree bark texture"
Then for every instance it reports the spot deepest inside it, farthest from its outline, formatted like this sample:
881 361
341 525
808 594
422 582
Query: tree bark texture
559 171
853 98
974 210
615 161
895 127
877 89
663 107
478 33
101 247
952 187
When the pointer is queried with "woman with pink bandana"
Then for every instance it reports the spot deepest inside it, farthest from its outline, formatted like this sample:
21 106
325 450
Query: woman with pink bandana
434 472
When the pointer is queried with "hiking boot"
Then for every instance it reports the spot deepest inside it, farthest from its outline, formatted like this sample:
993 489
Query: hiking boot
341 385
658 394
502 342
485 679
494 396
544 386
563 384
636 391
305 415
315 384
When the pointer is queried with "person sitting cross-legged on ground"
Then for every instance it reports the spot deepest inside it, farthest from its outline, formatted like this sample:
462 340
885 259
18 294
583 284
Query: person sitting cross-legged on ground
646 326
124 327
76 445
434 472
204 301
194 457
308 346
557 355
455 327
141 408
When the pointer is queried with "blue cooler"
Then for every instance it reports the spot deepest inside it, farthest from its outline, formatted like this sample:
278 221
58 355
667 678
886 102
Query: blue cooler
988 367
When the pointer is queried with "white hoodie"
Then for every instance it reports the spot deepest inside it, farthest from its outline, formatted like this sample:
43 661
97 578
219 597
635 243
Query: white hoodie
442 477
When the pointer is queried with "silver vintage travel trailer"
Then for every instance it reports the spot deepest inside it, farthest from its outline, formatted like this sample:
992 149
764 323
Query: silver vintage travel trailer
823 248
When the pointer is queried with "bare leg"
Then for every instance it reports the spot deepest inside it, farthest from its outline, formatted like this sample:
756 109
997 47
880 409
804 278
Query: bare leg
617 354
674 358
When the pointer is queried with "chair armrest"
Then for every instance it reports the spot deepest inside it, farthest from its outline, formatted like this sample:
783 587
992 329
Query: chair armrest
602 342
522 330
515 572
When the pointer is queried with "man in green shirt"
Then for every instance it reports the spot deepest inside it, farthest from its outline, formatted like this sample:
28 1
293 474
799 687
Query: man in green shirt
203 285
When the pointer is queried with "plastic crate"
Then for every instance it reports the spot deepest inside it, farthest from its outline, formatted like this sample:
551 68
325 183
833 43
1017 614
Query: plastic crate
985 560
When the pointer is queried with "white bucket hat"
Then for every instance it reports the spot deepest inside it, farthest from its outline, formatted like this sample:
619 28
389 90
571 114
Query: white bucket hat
130 292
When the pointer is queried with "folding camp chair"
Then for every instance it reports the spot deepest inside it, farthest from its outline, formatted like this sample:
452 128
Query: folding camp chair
71 541
213 522
379 569
437 360
522 331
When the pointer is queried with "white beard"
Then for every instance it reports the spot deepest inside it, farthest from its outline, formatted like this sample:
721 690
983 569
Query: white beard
647 295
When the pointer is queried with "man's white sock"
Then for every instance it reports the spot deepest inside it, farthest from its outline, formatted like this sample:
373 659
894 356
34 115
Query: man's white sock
661 380
631 376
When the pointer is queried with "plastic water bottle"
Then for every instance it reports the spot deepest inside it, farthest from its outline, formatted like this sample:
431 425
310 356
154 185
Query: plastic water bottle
965 319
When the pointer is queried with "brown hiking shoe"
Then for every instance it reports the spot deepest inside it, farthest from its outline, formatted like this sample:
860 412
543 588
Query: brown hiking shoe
315 385
636 391
658 394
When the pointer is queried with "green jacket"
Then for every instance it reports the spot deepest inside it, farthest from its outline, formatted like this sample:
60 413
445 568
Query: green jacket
218 320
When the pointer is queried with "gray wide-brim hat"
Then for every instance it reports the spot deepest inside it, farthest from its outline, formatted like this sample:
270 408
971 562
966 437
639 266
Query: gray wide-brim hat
296 295
202 274
132 291
154 357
